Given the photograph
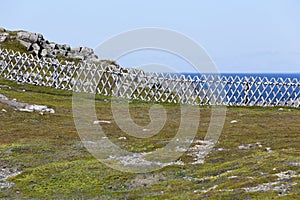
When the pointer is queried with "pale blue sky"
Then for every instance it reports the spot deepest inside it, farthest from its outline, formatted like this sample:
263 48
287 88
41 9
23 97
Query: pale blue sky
240 36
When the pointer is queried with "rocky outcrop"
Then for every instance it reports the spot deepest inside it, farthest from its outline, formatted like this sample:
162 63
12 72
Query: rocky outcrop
24 107
33 37
36 44
4 37
83 53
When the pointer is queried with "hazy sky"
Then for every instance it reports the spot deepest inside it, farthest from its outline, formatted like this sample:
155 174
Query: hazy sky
240 36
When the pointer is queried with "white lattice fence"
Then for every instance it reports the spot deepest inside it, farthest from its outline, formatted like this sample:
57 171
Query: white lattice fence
29 69
108 79
261 91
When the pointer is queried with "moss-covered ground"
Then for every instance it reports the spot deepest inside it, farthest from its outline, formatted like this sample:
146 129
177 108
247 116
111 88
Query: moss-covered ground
55 165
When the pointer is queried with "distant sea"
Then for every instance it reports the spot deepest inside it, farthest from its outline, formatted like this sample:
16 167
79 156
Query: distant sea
271 94
268 75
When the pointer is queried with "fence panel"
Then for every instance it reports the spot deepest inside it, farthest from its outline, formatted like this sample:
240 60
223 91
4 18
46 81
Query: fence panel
105 79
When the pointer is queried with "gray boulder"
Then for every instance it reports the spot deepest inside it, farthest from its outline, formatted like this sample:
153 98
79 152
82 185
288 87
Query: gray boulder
26 44
61 52
74 54
44 53
36 44
53 45
85 51
64 47
33 37
43 43
76 49
92 58
36 47
4 37
47 46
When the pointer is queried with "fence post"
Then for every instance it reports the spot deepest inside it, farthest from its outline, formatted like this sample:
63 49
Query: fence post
246 91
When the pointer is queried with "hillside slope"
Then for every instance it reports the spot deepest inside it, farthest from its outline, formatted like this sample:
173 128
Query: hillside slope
36 44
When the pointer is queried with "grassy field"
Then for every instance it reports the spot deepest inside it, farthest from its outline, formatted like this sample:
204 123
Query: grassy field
258 157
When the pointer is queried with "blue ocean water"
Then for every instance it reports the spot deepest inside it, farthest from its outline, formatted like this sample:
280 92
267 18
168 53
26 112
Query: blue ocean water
268 75
285 87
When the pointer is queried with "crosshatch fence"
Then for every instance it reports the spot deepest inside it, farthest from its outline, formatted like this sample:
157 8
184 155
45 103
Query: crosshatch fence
110 80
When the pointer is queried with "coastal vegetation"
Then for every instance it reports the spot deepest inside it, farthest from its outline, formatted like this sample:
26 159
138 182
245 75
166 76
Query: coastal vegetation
257 156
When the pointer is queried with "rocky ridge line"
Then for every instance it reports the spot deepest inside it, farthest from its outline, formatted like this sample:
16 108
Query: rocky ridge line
36 44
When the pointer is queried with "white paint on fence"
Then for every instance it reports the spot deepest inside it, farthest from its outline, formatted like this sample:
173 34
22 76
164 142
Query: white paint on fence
105 79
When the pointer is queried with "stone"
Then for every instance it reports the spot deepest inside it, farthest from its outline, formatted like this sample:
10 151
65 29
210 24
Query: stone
233 121
37 108
25 44
92 59
246 147
286 175
40 37
76 49
297 164
33 37
47 46
277 186
4 37
259 144
36 47
44 53
25 110
74 54
44 42
5 173
61 52
207 190
64 47
82 53
24 107
268 149
101 121
85 51
53 45
55 52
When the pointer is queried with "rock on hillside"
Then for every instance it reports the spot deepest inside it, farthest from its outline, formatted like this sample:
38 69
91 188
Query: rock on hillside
36 44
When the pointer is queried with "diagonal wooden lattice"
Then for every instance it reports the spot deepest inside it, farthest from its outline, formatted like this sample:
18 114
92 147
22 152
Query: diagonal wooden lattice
105 79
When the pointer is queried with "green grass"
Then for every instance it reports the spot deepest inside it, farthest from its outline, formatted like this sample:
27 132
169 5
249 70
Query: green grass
13 45
55 165
63 59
